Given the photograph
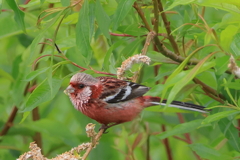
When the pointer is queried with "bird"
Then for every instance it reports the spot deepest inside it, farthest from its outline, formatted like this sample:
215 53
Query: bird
111 101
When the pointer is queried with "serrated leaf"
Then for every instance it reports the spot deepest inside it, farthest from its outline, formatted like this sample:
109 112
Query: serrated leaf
42 94
218 116
181 128
122 11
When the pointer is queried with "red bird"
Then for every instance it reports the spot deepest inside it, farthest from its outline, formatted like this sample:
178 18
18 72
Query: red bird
111 101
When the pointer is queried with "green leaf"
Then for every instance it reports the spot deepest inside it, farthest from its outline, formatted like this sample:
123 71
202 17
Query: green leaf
107 58
228 91
65 3
19 15
122 11
156 90
129 50
6 75
42 94
181 128
25 115
230 132
218 116
40 36
179 2
207 152
133 29
221 64
83 31
0 6
227 35
235 45
35 73
102 19
230 5
200 67
175 73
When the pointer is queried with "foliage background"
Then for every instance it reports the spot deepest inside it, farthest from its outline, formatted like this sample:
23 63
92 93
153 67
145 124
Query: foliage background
99 35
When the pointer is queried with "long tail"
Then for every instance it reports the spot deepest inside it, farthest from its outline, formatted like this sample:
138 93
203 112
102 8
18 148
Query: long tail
181 105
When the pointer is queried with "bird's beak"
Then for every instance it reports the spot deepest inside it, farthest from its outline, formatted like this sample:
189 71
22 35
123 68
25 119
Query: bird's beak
69 90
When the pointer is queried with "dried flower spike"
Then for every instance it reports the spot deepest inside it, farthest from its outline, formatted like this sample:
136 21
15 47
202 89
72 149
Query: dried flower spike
233 67
127 64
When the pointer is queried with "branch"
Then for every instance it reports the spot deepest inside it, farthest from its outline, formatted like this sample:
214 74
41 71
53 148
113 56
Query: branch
168 29
9 122
149 38
141 14
161 48
37 137
121 35
35 151
210 91
166 144
156 15
95 138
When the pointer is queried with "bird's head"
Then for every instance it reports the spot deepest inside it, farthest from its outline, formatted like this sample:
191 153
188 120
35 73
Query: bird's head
82 87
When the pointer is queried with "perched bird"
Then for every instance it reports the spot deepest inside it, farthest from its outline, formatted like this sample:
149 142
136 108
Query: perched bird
111 101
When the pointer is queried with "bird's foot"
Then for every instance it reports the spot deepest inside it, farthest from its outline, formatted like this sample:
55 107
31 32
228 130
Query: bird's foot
104 127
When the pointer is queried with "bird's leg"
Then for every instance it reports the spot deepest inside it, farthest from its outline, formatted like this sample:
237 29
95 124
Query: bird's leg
105 127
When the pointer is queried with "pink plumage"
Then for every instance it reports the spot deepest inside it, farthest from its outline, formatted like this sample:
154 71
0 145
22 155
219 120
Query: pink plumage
111 101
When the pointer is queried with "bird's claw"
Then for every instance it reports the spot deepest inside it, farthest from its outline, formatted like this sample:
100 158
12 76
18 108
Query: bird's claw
104 127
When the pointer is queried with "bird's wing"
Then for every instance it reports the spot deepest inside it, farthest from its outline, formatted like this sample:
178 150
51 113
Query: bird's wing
115 90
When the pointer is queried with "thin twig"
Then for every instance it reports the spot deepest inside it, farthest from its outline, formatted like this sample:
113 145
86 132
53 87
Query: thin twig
148 42
156 15
182 139
94 142
210 91
166 144
168 29
141 14
147 141
37 137
128 35
161 48
9 122
121 35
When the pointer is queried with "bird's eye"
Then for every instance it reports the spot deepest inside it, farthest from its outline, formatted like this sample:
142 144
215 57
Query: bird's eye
80 86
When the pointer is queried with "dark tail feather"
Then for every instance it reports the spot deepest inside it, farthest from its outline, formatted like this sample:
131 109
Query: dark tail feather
184 105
